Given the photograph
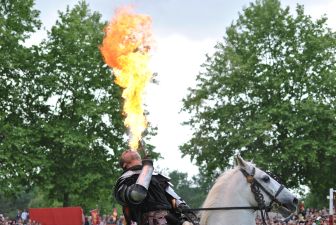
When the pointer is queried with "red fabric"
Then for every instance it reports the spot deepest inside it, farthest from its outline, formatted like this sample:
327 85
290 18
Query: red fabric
57 216
95 217
332 220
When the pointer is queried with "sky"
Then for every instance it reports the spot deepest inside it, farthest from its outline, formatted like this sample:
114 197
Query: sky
184 32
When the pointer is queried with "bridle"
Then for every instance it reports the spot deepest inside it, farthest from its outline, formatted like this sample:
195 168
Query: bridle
259 197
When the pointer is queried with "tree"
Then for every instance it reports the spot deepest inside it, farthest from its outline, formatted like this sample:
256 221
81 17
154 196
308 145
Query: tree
61 126
18 159
81 131
189 190
315 200
269 93
10 205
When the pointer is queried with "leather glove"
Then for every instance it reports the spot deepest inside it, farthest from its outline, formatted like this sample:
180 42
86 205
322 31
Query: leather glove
147 162
189 215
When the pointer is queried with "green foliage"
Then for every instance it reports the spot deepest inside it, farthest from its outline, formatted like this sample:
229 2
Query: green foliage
10 205
18 157
317 199
189 190
61 125
81 131
269 93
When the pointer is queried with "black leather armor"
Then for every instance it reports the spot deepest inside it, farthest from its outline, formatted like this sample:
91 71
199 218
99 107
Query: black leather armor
138 199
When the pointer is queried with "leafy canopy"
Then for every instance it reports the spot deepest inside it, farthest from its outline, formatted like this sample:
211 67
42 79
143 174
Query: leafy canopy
269 93
61 124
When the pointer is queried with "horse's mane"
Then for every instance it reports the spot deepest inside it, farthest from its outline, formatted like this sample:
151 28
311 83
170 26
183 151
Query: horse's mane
212 198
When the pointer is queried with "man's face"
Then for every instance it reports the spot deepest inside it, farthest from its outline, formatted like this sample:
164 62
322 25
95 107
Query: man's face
130 158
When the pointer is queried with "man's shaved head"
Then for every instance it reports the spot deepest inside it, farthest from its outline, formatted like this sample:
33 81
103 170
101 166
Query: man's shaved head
130 158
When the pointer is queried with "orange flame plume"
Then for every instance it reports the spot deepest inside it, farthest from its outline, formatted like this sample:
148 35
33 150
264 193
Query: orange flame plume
125 48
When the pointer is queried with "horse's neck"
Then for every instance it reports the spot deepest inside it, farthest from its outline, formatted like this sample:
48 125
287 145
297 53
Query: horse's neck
228 194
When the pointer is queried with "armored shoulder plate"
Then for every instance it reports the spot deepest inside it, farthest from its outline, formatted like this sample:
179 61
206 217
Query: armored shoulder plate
120 188
129 174
164 179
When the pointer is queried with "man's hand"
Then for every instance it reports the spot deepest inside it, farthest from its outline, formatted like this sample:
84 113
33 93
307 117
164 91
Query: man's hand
147 162
187 223
188 214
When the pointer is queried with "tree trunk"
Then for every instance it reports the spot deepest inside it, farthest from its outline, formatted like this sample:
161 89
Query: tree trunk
66 200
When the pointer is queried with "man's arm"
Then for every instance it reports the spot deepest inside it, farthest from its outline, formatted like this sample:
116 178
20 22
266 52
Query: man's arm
137 192
181 206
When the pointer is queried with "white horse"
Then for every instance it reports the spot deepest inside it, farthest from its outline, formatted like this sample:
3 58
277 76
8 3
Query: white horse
233 189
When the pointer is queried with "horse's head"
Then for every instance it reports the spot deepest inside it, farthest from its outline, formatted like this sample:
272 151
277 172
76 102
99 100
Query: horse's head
267 191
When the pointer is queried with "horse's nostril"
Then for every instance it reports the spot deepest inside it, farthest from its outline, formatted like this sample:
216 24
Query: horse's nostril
295 201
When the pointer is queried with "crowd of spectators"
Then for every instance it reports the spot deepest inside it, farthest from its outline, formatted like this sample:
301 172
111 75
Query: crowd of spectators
22 218
307 216
106 220
304 216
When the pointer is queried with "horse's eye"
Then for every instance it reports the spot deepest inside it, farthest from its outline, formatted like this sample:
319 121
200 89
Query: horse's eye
266 179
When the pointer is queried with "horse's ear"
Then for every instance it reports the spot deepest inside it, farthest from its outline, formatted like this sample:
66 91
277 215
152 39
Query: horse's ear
240 161
236 163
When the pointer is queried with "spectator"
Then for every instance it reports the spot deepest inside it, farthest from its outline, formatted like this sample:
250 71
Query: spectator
86 221
18 215
24 216
121 220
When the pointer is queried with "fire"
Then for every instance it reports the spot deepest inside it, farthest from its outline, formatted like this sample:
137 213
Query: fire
125 48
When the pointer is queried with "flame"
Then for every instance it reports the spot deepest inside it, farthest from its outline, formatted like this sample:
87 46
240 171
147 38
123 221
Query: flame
125 48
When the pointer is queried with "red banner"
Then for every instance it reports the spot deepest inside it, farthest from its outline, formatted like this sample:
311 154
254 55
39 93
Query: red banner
57 216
